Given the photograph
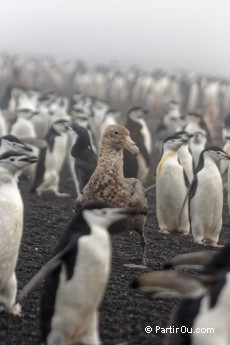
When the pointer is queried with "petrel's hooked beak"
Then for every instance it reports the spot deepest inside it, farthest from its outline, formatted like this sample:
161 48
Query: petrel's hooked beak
130 145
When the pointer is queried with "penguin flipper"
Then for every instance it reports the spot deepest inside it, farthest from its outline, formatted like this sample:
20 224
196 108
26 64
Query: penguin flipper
40 170
44 271
39 143
190 194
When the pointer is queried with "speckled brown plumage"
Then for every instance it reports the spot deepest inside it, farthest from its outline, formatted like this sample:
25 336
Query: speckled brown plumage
108 183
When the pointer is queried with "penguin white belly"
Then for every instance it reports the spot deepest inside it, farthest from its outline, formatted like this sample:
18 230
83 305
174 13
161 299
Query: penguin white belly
196 150
146 135
170 194
53 163
73 173
143 169
206 206
185 159
23 128
11 224
77 300
56 157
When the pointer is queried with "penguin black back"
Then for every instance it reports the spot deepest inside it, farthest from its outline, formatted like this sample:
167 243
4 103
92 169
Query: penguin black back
130 162
85 159
68 244
77 228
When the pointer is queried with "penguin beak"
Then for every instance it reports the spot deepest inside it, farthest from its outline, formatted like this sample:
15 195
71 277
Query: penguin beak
130 146
26 148
30 159
227 137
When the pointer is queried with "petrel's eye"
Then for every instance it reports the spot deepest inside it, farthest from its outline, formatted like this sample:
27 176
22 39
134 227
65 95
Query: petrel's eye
116 132
12 159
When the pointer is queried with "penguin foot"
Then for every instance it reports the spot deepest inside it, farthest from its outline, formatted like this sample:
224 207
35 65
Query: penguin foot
62 195
15 310
215 245
200 242
184 232
164 231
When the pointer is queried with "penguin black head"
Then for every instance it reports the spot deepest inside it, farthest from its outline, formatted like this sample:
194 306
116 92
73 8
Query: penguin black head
10 142
76 128
79 137
216 153
13 161
174 142
136 113
105 214
60 126
194 117
185 135
25 113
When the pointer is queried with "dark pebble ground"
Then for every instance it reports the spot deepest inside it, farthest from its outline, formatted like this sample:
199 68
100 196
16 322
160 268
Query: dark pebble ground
124 313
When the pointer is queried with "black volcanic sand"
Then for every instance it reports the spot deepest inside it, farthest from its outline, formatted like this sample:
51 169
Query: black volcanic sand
124 313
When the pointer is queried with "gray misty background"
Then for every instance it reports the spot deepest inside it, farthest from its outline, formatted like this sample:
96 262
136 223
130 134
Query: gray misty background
192 35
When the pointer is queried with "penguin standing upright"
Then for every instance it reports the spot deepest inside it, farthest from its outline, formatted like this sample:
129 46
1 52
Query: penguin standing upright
24 128
171 188
11 225
197 145
206 197
185 156
139 131
77 277
51 160
82 158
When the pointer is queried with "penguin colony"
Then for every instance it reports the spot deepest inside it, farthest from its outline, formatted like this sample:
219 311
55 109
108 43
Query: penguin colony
110 156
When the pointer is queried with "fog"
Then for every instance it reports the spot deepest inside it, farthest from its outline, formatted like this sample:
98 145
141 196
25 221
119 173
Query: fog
190 35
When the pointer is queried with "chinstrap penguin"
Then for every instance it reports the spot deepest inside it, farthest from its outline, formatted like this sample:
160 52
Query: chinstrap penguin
11 225
76 277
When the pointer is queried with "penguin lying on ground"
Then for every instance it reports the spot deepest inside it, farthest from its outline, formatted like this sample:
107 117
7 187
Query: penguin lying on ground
206 197
76 277
108 183
171 187
11 225
205 303
82 158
